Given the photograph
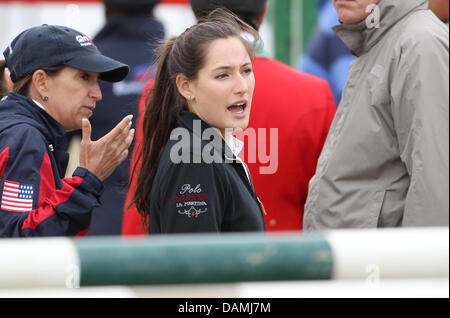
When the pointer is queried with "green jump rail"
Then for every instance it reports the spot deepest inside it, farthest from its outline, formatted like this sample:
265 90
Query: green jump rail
203 259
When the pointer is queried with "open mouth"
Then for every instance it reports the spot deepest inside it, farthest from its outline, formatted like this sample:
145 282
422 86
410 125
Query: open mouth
238 108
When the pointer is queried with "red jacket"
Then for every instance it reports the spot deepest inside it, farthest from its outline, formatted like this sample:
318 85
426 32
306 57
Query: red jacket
300 107
131 221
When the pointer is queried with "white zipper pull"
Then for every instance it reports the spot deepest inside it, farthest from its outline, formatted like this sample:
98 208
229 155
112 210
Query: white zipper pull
262 205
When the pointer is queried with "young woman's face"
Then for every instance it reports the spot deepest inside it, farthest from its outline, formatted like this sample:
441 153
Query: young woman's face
72 96
353 11
223 90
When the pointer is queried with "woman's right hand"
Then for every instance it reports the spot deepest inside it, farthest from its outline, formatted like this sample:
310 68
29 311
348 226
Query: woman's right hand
102 157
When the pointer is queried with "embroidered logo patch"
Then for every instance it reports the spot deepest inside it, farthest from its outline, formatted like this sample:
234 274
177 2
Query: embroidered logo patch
191 201
192 212
84 40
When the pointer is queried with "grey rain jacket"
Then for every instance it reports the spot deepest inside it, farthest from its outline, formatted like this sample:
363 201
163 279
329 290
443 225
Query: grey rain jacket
385 162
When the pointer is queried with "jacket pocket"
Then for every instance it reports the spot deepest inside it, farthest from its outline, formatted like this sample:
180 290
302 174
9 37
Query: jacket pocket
378 93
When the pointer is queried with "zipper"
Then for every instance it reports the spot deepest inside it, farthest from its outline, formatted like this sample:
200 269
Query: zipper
247 172
261 205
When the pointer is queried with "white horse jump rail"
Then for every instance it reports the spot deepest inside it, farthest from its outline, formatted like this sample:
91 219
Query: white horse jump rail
371 254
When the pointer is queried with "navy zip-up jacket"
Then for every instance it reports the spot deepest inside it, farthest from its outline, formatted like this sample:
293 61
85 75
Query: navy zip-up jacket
201 186
35 199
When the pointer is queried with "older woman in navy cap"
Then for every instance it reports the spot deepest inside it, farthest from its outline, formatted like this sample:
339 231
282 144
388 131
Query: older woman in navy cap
55 72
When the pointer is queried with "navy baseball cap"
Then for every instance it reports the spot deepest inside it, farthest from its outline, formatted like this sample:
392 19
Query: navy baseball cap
53 45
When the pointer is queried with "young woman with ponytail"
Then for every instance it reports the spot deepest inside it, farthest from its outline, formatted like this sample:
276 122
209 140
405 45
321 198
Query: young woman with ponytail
190 180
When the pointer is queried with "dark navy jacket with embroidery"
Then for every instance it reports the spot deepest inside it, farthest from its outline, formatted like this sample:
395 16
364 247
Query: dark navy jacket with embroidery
200 186
35 199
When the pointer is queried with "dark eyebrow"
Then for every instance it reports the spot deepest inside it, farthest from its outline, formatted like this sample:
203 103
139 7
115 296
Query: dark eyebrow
229 67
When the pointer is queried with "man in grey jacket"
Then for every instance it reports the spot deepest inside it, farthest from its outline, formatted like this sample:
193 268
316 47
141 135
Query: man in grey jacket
386 159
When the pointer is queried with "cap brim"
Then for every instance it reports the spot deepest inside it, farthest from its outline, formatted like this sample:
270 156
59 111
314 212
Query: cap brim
110 70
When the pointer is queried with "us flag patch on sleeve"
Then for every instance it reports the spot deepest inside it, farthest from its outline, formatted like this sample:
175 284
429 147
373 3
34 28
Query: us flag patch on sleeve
17 197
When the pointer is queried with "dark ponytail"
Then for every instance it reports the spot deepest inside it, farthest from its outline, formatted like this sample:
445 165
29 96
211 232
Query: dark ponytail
185 55
163 105
22 86
4 85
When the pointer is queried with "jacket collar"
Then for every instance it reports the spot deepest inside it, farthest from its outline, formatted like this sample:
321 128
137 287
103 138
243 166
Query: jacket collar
19 109
360 38
198 127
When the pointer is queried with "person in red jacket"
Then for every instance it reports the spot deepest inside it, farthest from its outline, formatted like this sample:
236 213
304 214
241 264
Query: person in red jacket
291 114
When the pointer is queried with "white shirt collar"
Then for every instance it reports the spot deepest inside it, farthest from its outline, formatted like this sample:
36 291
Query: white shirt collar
235 145
40 106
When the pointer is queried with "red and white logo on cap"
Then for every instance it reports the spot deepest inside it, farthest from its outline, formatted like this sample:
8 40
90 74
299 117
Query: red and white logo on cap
84 40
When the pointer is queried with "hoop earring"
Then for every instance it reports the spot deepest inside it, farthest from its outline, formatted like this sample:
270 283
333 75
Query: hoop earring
45 98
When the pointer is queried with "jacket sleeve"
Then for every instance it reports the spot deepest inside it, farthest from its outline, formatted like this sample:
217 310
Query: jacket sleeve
34 201
420 106
191 198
